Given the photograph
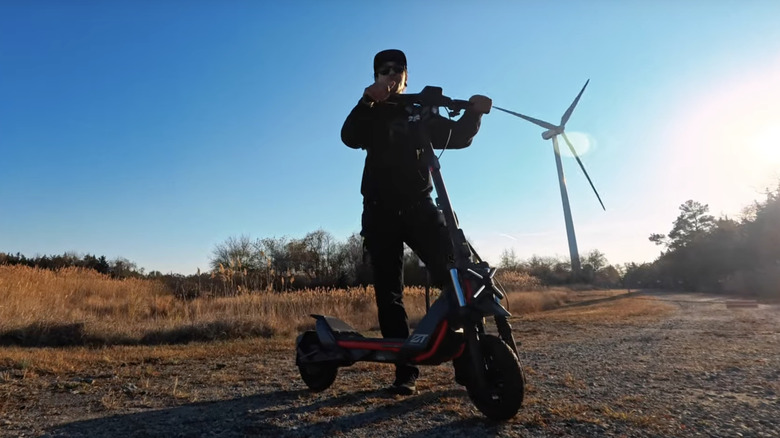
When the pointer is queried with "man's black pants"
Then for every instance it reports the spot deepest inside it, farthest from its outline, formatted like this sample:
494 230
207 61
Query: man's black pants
385 230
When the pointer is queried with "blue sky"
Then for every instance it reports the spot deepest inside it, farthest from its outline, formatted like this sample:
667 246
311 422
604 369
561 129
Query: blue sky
155 130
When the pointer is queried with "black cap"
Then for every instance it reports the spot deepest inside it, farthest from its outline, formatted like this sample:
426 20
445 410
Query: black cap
390 55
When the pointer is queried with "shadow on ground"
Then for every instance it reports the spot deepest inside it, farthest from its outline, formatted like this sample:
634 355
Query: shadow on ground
279 414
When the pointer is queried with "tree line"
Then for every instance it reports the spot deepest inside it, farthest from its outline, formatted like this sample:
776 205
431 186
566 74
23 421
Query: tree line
704 253
699 253
317 260
595 269
69 259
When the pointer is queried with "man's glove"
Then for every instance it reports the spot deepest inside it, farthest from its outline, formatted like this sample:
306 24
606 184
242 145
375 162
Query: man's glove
481 104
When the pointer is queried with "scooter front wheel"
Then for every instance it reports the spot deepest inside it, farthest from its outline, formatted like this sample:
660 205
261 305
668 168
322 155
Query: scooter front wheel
503 395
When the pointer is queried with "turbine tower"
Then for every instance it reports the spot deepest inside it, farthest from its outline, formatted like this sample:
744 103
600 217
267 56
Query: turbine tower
552 132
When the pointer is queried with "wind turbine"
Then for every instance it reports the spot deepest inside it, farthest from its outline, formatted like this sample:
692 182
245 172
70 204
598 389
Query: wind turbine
552 132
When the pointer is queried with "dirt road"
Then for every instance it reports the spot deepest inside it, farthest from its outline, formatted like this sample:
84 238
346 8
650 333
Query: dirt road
696 369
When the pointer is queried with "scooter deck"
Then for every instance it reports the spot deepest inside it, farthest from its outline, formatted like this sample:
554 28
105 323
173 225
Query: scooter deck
433 346
345 336
376 344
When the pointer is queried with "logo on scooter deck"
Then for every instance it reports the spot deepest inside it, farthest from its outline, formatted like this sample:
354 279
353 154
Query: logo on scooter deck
418 339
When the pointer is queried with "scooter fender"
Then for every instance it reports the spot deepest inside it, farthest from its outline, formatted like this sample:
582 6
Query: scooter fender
329 329
324 333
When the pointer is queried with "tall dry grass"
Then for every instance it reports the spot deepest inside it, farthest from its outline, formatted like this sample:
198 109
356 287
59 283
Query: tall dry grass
76 306
517 281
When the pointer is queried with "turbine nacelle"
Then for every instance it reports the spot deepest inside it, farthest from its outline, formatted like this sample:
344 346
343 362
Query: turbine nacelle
550 133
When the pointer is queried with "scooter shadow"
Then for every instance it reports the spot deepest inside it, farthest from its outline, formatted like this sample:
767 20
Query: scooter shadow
279 414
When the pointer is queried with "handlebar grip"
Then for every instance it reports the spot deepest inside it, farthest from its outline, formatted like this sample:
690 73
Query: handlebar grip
460 104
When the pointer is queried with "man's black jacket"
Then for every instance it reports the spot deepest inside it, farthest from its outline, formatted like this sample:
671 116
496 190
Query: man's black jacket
394 174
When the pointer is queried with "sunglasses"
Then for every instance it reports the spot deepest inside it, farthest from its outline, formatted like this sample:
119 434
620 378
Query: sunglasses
385 70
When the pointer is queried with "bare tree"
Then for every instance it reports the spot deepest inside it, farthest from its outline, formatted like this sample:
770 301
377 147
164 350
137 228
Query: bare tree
235 253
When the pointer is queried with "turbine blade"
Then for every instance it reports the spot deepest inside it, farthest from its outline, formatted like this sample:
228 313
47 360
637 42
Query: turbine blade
541 123
582 166
568 112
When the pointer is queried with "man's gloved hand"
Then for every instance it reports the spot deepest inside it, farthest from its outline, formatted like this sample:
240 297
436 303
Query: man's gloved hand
380 90
481 104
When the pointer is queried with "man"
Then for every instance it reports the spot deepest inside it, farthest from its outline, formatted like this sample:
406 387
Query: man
396 189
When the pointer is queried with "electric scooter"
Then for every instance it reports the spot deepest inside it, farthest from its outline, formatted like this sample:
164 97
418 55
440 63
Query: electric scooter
454 327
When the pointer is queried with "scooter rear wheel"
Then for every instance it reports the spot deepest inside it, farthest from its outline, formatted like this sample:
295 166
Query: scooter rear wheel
503 395
318 377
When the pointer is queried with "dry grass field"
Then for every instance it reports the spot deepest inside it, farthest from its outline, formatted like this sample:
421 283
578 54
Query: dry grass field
76 306
598 363
81 308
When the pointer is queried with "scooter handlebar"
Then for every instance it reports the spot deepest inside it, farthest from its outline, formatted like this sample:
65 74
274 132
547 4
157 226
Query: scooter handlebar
432 97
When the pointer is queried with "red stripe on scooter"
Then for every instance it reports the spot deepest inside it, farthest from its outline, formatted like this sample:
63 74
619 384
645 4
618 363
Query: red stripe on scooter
370 345
456 355
437 342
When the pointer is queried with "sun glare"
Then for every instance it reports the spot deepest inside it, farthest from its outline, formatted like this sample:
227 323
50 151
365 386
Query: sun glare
729 135
748 136
582 142
765 145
